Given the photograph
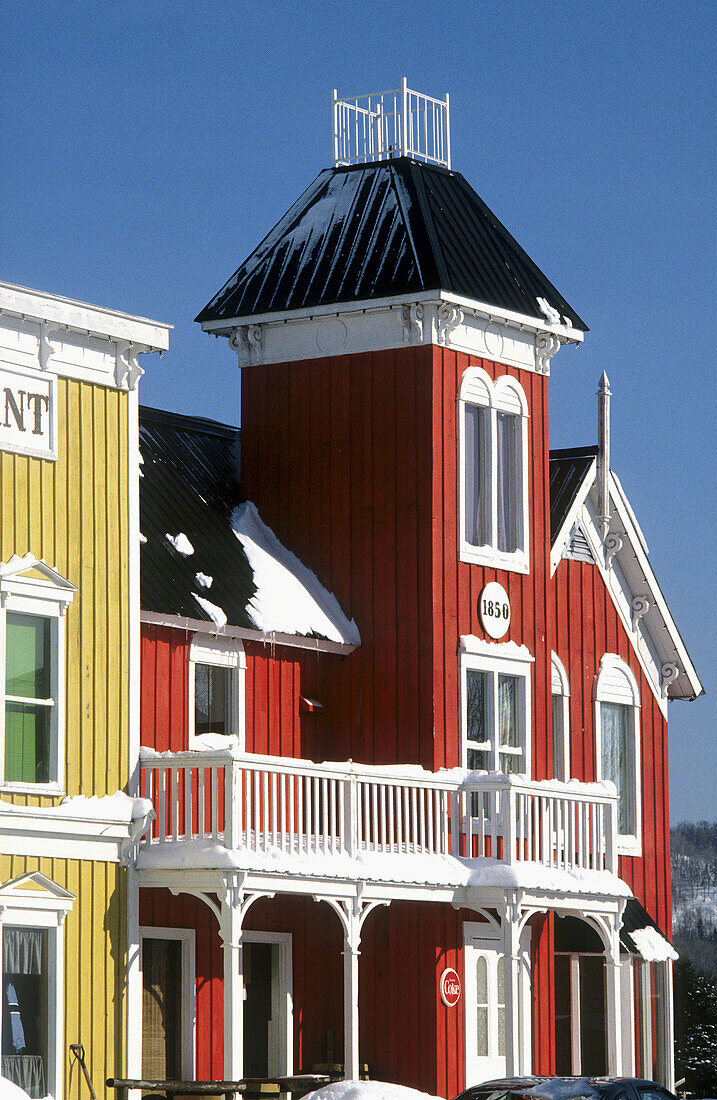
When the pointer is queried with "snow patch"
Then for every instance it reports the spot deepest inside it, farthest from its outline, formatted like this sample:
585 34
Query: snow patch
289 598
142 538
203 580
652 945
215 613
548 311
10 1091
110 807
180 543
213 741
358 1090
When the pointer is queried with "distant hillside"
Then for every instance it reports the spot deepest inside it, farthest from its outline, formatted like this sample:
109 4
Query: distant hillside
694 892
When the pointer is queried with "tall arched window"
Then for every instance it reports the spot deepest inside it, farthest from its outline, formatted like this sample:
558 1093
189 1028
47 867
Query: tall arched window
492 418
617 744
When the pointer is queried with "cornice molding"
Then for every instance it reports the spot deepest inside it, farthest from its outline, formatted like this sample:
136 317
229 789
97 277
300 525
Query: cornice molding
410 321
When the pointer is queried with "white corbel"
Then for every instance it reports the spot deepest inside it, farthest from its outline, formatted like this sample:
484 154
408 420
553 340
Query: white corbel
640 605
137 828
127 369
449 317
546 345
668 673
613 545
45 348
412 322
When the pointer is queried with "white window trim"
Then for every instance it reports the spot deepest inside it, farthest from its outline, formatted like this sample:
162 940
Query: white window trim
627 843
45 907
497 657
478 388
46 598
559 679
185 936
281 1044
206 649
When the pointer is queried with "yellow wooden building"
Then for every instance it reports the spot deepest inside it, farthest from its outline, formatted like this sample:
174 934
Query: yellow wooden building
69 676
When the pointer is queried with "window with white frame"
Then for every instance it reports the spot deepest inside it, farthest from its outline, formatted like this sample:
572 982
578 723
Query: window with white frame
33 601
216 687
493 464
617 736
495 683
168 1002
560 692
31 1027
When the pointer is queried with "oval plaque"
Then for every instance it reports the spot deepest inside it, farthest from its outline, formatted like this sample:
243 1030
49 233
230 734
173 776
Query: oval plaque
450 987
494 610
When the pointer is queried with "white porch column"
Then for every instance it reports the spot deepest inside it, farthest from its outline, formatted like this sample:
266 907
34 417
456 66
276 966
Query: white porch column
352 912
511 916
234 903
233 992
663 972
612 984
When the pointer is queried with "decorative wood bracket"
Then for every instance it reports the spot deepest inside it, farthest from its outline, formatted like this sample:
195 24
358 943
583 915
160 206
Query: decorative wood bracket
46 349
247 342
449 317
613 545
669 672
127 370
640 606
412 322
546 345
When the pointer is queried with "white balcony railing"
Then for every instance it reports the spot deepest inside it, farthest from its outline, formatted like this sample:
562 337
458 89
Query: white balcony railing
381 125
297 808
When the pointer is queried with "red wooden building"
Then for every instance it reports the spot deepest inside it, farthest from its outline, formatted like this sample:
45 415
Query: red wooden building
405 672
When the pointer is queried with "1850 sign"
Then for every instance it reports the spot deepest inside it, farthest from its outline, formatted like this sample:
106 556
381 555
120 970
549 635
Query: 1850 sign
27 413
494 610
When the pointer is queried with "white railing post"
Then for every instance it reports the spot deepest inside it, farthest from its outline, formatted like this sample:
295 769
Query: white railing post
351 811
447 134
404 117
609 823
335 122
231 804
508 796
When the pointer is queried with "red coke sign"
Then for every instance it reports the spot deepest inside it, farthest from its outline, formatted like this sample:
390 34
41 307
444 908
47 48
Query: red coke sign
450 987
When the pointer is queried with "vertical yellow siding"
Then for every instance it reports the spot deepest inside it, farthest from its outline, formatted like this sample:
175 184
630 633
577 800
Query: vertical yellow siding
95 961
73 513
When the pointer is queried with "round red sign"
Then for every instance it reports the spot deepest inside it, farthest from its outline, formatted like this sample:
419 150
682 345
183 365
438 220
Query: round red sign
450 987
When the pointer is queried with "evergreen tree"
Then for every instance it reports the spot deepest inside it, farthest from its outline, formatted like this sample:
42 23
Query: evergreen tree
695 1029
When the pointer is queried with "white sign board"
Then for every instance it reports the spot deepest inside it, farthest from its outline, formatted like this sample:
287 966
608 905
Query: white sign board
494 610
28 412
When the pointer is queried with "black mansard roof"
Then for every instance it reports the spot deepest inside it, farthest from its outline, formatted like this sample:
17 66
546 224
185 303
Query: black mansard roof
568 469
380 230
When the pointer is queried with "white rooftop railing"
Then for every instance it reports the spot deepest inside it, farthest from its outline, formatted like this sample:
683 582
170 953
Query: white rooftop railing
382 125
261 805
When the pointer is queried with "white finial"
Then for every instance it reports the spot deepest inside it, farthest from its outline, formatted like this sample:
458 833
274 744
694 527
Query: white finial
603 394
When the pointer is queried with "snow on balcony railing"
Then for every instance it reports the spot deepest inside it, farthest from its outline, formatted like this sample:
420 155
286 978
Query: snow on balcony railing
258 804
381 125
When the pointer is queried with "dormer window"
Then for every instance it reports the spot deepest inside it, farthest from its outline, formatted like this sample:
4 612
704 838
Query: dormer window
493 471
33 600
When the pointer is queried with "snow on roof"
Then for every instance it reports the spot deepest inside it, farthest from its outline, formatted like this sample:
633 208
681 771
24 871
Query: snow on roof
358 1090
110 807
180 543
289 598
215 613
652 946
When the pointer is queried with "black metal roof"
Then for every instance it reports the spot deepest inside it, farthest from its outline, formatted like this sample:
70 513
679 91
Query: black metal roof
190 485
383 229
634 918
568 469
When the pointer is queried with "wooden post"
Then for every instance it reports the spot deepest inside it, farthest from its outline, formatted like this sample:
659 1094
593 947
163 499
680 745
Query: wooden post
613 1005
233 992
511 974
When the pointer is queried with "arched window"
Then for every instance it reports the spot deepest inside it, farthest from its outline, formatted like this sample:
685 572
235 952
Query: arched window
560 690
493 433
617 744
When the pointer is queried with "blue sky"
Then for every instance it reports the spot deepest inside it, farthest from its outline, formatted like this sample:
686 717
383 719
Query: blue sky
146 147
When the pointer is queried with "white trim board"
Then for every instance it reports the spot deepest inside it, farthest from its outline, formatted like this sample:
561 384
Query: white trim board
633 587
201 626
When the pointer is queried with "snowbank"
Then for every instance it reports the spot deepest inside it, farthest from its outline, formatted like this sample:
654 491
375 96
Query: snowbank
110 807
358 1090
652 946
